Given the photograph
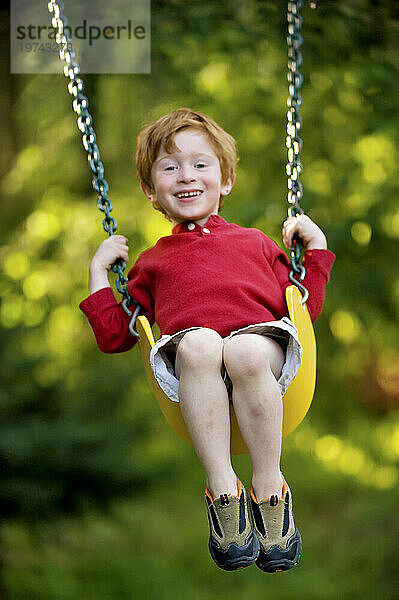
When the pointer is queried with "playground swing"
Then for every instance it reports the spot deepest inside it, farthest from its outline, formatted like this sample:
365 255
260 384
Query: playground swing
298 398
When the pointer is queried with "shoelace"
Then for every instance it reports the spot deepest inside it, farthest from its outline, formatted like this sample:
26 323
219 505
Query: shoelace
224 499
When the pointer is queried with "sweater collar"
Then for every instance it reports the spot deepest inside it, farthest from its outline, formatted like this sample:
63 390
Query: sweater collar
213 222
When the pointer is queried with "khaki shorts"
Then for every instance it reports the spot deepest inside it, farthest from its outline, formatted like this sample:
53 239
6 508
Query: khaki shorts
163 354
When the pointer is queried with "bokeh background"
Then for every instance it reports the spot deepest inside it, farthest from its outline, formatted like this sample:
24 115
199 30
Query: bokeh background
99 499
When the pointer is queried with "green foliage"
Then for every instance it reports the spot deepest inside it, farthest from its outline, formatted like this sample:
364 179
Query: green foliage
101 499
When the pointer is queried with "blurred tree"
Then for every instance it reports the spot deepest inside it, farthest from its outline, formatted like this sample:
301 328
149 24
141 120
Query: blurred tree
79 431
78 425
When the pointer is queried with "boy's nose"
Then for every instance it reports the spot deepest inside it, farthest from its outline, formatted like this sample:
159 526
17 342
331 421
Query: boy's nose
186 174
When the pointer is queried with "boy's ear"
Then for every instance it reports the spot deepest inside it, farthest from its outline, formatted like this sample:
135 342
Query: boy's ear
227 187
148 192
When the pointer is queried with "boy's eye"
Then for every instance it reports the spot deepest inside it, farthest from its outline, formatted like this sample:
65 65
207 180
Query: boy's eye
200 165
170 168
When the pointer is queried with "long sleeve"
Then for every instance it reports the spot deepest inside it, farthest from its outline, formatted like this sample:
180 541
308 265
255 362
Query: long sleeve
109 321
318 264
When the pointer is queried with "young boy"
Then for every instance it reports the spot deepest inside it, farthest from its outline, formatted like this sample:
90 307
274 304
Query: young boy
216 291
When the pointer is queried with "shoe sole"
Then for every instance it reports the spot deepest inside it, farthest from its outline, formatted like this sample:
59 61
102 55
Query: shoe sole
248 553
276 559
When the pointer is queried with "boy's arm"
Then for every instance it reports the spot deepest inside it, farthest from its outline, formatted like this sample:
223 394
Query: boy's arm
318 261
107 317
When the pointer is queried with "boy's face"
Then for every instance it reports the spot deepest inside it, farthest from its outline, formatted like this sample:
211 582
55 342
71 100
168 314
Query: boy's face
187 183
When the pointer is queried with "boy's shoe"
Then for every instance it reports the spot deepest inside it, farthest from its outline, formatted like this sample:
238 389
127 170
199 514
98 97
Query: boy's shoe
232 543
274 524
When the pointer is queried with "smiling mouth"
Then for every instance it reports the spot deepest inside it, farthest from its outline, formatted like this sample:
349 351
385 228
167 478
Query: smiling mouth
188 195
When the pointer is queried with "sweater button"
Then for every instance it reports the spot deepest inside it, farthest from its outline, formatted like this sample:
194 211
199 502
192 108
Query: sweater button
191 226
206 230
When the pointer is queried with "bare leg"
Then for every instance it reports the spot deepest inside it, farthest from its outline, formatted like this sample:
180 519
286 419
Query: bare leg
254 363
205 406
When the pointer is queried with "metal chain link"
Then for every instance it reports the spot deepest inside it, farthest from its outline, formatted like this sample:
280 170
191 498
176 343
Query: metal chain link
293 141
80 105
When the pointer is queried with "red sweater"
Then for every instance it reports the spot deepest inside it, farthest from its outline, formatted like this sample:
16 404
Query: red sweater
220 276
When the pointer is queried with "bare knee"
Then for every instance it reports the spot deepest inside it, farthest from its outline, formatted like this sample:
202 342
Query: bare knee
199 349
251 355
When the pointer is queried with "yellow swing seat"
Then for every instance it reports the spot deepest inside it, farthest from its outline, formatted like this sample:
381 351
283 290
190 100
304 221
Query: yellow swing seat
296 401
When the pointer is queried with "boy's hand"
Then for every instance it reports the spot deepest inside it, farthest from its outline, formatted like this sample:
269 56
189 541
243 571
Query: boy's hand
312 236
108 251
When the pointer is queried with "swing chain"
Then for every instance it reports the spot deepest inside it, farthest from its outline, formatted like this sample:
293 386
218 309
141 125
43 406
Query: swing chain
293 141
80 105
